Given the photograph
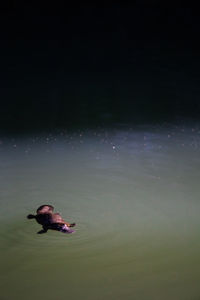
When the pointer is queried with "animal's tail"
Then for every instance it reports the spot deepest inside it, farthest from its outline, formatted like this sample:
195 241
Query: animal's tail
30 217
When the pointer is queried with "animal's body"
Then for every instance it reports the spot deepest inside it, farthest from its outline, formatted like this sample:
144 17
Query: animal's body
50 220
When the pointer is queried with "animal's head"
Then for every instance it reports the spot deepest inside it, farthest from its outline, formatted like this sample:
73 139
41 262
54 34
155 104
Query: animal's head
45 209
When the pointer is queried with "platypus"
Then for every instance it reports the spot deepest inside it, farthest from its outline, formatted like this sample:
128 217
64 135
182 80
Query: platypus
50 220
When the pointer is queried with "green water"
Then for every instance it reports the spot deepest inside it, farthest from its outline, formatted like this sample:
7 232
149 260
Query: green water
134 194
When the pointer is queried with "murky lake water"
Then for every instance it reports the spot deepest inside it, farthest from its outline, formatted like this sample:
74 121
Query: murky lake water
135 196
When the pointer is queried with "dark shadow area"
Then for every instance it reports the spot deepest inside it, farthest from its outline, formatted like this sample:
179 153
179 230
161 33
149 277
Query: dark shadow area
22 117
97 64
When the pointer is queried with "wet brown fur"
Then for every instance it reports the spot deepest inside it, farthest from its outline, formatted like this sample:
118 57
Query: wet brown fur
48 219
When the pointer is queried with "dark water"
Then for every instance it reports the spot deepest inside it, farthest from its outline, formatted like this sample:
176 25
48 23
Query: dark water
135 196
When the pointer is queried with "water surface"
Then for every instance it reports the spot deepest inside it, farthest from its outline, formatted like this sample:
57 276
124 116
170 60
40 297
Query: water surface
134 194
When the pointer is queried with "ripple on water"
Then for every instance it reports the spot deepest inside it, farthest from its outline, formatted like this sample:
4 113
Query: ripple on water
20 235
20 238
